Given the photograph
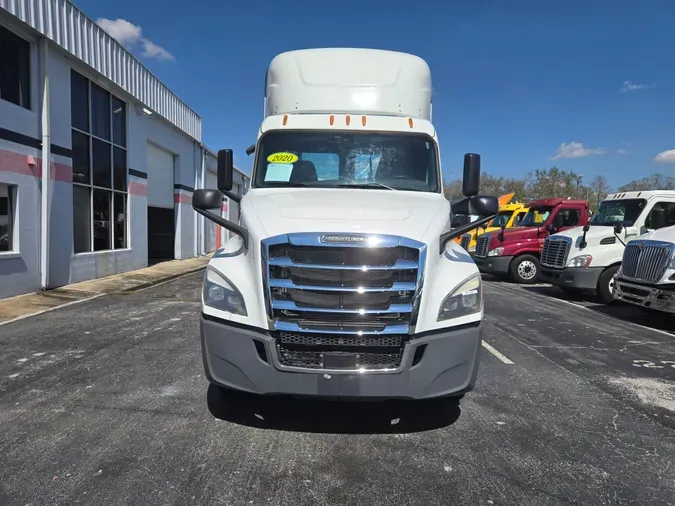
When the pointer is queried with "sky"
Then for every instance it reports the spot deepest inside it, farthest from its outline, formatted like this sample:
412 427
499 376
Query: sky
582 85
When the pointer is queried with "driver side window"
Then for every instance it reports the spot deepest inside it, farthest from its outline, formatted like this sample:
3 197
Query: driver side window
669 207
570 217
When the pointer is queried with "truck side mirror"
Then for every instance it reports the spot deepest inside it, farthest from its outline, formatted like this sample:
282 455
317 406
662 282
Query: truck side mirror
658 218
207 199
559 221
225 170
471 179
618 227
479 205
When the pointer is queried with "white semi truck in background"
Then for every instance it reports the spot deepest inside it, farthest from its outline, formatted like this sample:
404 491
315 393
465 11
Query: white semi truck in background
588 257
646 277
342 279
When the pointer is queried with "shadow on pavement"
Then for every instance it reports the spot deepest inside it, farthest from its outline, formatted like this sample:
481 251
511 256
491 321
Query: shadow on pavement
619 310
327 416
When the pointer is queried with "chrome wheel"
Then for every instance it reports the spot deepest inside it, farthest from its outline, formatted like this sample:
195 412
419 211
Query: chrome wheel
527 270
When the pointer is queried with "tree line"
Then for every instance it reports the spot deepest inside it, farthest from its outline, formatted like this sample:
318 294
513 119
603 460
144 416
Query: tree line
556 182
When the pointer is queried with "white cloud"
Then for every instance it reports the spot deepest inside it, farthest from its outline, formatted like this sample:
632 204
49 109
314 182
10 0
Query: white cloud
575 150
665 157
152 50
631 86
622 151
129 34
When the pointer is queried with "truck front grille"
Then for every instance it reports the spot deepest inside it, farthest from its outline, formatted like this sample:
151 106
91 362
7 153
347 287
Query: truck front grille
555 251
466 240
483 245
646 261
356 299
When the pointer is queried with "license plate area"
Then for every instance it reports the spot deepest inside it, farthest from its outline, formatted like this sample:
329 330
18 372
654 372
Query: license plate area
336 360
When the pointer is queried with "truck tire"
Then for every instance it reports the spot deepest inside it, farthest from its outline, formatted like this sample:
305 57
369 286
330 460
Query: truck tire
606 285
525 269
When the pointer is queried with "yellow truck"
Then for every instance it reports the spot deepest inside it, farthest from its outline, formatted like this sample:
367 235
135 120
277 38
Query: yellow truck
509 216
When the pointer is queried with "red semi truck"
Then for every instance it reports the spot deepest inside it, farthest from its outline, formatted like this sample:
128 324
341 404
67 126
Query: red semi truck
514 252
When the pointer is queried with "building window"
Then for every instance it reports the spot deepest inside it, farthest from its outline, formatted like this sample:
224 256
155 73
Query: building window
99 139
7 200
14 68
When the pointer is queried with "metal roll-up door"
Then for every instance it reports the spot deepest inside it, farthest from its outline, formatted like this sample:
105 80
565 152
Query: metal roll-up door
161 226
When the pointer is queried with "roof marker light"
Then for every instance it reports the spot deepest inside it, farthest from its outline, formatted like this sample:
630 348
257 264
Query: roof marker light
410 122
363 120
348 119
332 120
285 120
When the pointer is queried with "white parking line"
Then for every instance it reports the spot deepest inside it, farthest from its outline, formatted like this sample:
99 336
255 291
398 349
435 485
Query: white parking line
496 353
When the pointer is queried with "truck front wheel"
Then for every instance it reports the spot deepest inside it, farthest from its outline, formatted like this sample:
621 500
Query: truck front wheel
606 285
525 269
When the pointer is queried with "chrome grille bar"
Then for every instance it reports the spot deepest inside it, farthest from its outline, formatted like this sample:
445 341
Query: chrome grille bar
645 260
341 288
483 245
555 252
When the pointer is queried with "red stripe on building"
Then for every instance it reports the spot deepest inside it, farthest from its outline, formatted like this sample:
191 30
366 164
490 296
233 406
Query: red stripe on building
28 165
136 188
181 198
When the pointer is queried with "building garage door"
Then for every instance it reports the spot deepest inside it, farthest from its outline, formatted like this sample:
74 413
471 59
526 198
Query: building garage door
210 228
161 221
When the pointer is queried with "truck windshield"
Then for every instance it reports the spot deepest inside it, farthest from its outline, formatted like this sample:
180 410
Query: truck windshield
347 160
625 212
535 217
501 219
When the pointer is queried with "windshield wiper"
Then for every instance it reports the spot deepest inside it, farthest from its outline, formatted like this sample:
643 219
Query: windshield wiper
369 184
289 184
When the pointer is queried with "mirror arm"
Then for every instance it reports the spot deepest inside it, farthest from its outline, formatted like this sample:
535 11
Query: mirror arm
226 224
453 234
232 196
619 238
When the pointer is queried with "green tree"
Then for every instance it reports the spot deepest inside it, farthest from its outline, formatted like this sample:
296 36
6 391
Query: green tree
654 181
599 188
554 182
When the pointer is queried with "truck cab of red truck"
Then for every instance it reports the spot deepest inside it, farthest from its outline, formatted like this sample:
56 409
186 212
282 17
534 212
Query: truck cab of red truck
515 252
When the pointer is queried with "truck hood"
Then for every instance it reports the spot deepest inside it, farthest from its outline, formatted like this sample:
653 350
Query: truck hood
666 234
284 210
517 234
594 235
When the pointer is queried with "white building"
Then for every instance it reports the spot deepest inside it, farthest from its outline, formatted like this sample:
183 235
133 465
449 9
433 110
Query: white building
124 153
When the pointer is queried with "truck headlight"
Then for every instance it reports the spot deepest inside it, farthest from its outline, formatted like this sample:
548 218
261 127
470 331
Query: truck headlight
220 293
472 248
466 299
496 252
580 261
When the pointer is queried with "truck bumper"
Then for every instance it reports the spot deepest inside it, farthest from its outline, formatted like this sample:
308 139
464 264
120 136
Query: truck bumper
645 296
498 266
448 367
583 278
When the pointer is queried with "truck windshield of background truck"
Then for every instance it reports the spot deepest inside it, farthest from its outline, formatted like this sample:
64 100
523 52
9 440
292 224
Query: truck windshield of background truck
501 219
625 212
535 217
347 160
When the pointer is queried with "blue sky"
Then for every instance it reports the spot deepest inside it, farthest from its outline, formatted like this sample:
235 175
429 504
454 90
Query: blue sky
512 80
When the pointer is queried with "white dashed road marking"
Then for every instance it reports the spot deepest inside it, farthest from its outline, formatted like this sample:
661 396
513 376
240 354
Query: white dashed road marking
497 354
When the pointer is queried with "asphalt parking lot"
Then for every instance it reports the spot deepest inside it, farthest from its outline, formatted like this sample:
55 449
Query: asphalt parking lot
105 402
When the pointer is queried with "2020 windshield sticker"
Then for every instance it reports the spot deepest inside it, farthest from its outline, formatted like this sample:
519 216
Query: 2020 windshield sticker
282 158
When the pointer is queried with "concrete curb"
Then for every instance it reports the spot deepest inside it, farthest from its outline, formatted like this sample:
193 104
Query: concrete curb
158 281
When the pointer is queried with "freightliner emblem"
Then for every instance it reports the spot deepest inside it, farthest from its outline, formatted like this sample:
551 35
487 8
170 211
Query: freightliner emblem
343 239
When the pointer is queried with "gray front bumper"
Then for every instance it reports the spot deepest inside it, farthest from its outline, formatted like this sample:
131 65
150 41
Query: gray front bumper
448 367
650 297
585 278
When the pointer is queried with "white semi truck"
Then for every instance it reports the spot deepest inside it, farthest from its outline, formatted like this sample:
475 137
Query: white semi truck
587 257
646 277
342 279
